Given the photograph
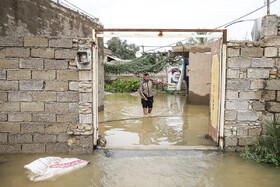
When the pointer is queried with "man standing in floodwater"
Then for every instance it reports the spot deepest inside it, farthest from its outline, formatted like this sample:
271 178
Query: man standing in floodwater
146 93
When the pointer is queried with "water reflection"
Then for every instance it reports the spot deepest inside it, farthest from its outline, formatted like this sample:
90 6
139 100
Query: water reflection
172 122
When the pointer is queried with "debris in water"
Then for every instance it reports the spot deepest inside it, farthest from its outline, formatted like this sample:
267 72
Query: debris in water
52 167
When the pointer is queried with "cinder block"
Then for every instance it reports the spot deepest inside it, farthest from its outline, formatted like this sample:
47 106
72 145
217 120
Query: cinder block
85 118
269 95
44 138
3 117
63 137
252 52
248 116
238 84
3 74
20 96
56 86
273 41
255 131
85 97
31 85
270 52
3 96
9 107
18 74
257 84
32 107
258 106
56 128
237 105
10 127
9 63
73 118
10 148
73 107
31 63
273 107
57 148
2 53
9 85
231 95
232 74
3 137
43 117
272 84
61 42
32 127
21 117
42 52
68 97
74 86
230 115
230 141
43 75
258 73
242 131
85 75
17 52
86 141
11 41
233 52
251 95
35 42
67 75
20 138
239 62
262 63
57 108
56 64
33 148
65 53
78 149
44 96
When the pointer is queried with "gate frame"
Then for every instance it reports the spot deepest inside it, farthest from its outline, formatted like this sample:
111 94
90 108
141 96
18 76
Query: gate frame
97 33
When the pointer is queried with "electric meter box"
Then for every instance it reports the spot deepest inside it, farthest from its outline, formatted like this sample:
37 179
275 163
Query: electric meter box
84 58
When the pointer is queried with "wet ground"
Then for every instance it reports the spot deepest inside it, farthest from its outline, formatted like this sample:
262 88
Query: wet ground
151 167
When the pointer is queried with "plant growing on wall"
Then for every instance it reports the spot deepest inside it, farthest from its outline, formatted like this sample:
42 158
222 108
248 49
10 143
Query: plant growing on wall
267 149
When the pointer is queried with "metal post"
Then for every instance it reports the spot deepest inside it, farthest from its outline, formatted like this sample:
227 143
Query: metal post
95 87
268 7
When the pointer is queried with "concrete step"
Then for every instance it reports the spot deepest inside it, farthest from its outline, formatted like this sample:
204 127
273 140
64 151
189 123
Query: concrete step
160 147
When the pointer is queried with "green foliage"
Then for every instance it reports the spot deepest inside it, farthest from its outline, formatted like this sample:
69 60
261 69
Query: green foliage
130 85
147 63
267 149
121 49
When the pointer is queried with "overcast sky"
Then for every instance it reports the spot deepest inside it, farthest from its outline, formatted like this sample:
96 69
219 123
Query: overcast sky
177 14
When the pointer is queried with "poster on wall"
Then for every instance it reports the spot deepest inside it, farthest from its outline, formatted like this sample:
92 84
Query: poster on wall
175 78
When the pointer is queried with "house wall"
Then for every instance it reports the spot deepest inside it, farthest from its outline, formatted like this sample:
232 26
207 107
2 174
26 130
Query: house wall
45 100
252 86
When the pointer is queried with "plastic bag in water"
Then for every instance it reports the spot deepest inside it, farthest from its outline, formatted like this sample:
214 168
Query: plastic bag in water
52 167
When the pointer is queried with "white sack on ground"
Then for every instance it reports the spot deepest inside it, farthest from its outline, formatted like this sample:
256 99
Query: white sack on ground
52 167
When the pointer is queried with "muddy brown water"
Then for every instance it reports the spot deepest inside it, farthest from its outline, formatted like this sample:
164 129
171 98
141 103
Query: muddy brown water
150 167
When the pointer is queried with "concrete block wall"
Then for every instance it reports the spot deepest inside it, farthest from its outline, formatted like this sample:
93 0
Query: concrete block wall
252 87
42 95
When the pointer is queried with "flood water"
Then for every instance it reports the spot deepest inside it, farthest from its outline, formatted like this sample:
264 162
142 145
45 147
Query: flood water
150 167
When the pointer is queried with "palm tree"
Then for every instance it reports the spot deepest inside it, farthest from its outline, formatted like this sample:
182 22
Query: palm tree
200 40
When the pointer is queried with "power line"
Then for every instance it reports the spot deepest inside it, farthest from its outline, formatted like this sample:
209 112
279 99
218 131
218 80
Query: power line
245 15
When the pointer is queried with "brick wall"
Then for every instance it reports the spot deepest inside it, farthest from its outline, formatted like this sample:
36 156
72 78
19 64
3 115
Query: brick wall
252 86
45 101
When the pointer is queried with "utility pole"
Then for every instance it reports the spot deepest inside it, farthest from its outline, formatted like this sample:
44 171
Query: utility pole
268 7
